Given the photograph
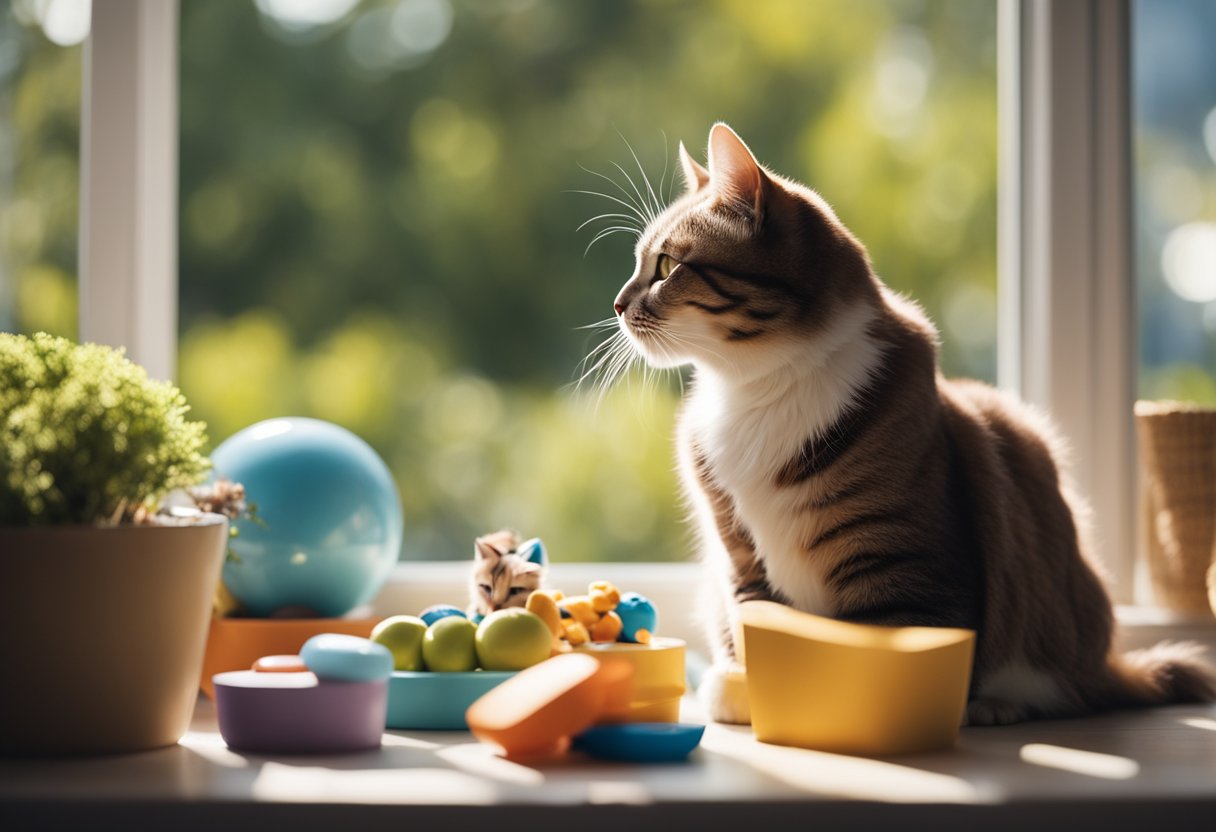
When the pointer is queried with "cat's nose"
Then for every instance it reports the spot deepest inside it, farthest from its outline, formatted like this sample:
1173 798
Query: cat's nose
619 307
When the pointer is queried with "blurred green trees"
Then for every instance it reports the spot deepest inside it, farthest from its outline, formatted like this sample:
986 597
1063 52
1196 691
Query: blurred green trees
378 220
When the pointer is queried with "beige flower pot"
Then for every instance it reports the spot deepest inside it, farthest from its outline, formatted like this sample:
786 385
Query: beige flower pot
103 634
1178 499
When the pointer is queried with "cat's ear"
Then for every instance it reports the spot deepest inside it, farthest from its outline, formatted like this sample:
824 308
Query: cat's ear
486 551
696 176
533 551
734 171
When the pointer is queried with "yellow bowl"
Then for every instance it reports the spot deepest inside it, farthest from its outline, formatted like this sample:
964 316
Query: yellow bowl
658 677
834 686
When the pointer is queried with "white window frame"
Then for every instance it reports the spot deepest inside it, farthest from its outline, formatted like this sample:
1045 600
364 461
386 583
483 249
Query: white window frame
1066 283
1066 326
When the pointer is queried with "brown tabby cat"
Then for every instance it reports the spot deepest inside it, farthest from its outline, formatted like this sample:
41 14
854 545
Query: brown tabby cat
833 468
505 571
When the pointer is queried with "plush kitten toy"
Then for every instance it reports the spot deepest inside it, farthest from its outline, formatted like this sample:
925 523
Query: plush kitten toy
833 468
505 571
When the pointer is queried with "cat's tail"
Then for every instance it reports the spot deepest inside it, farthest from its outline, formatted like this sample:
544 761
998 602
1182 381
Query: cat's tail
1167 673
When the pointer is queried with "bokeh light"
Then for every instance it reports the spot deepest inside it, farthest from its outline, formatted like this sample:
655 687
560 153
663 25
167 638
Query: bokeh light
301 15
1188 261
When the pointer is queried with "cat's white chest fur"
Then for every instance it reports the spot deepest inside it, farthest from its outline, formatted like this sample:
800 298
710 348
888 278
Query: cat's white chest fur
749 431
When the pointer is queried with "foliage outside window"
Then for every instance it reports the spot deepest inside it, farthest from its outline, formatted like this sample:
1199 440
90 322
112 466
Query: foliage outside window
379 221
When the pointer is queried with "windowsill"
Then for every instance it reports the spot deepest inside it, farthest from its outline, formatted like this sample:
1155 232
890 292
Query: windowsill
1109 772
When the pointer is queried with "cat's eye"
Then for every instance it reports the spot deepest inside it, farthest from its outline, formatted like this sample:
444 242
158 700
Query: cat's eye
516 590
486 588
664 267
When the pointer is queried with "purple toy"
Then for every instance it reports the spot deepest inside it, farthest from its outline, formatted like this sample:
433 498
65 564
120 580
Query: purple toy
299 713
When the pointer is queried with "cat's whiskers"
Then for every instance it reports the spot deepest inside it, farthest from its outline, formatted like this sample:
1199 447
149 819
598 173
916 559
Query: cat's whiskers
647 205
604 324
656 208
606 347
635 205
611 198
615 354
628 218
608 232
662 179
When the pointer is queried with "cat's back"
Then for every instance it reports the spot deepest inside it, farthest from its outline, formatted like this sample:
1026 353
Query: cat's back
1016 470
991 426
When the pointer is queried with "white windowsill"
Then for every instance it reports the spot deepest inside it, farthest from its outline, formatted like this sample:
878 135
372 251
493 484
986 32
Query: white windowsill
1113 771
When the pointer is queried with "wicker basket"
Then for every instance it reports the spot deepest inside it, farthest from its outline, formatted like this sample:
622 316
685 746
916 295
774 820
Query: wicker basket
1178 498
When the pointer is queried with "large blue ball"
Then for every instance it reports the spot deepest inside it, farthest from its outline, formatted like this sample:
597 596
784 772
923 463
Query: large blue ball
331 511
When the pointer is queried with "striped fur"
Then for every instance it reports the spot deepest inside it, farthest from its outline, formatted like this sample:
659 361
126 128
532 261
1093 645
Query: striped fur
830 465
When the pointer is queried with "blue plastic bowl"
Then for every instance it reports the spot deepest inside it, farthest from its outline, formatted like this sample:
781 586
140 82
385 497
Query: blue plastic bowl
641 742
437 701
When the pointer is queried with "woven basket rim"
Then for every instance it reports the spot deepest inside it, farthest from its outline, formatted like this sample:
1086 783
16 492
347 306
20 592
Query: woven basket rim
1171 407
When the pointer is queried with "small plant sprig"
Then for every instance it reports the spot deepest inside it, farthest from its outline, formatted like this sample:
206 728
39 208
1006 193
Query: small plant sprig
227 498
86 437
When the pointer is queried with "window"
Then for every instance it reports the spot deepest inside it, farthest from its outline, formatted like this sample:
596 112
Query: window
378 221
40 56
1175 132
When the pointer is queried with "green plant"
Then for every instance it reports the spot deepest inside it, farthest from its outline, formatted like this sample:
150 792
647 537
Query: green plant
86 436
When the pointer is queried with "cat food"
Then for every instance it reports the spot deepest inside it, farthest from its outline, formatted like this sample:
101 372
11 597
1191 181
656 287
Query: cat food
607 628
604 614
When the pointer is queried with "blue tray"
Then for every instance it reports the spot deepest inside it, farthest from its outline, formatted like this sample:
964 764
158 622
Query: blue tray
437 701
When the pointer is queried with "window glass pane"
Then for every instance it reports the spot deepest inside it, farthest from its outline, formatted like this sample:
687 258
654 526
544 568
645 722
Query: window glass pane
39 171
379 221
1175 126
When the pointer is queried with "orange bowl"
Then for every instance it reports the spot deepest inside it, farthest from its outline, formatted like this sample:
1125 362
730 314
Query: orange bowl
236 643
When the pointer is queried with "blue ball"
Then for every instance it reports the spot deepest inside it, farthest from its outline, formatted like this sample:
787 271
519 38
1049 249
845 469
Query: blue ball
331 514
432 614
636 613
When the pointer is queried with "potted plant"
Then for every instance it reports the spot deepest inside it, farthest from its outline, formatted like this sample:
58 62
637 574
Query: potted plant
104 599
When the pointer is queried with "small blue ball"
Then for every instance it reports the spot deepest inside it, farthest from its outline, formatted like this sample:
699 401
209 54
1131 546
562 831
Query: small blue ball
433 613
637 613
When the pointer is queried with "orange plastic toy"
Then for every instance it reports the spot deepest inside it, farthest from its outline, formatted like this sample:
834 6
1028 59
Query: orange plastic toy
280 664
538 710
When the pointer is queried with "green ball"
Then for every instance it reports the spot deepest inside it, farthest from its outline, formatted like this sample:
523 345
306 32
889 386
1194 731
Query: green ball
449 645
513 639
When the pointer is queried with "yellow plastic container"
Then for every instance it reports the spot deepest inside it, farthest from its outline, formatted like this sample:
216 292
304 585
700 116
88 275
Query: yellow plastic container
834 686
658 677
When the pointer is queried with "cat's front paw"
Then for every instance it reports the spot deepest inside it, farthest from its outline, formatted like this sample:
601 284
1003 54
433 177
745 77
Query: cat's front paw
995 712
723 693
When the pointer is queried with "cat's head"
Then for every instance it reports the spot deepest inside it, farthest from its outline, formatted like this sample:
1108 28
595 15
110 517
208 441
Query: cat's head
505 571
742 272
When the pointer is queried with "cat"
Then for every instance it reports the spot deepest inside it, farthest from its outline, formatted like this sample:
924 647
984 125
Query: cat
505 571
831 466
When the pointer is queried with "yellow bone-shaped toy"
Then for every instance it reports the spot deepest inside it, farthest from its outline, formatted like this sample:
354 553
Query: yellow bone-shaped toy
604 596
580 609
